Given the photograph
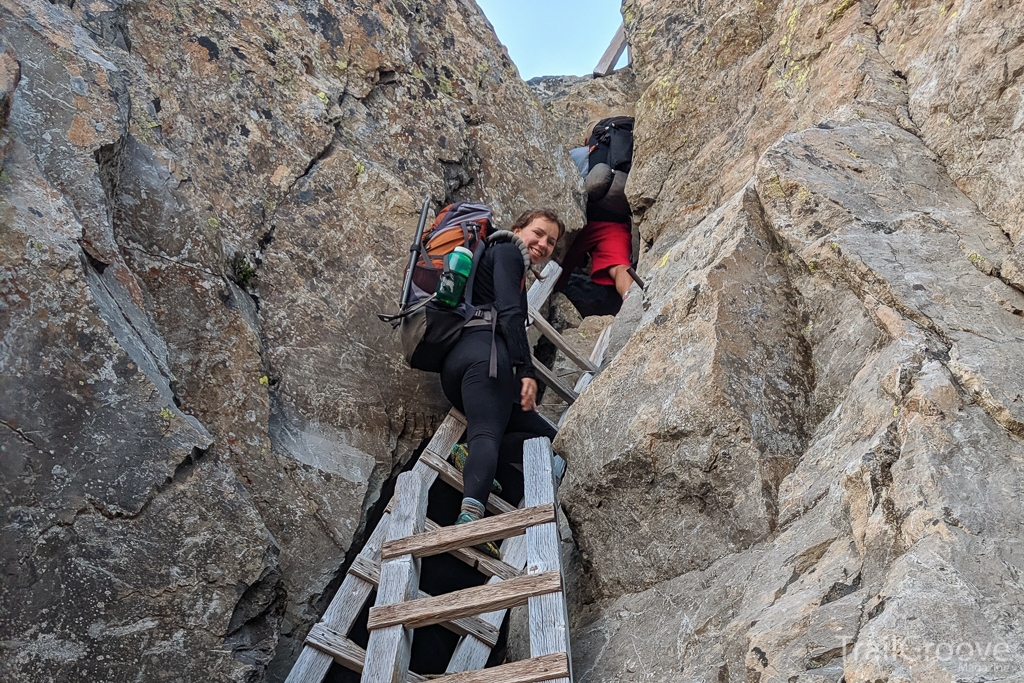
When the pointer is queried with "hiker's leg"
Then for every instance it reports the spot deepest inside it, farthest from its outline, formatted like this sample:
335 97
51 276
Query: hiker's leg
576 255
623 280
487 405
523 425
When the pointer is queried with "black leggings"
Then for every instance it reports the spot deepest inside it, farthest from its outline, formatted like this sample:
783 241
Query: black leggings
496 424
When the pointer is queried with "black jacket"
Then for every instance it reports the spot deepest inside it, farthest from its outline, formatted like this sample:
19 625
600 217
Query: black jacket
499 281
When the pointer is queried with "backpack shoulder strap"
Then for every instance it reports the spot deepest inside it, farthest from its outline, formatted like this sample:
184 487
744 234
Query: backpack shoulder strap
509 236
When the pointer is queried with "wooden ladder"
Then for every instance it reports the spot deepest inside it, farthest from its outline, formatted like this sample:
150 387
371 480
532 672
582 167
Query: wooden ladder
399 609
328 640
389 563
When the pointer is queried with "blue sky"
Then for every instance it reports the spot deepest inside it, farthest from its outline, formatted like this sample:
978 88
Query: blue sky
554 37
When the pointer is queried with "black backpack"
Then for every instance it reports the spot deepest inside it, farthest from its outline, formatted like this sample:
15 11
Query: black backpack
429 328
611 143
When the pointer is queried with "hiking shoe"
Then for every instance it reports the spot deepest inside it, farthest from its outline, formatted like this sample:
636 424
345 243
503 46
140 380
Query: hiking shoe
457 457
488 548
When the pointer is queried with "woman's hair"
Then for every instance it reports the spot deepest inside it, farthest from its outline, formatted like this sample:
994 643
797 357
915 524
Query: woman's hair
528 217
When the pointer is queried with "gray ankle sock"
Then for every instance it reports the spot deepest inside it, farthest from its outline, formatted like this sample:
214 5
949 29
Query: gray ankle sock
474 507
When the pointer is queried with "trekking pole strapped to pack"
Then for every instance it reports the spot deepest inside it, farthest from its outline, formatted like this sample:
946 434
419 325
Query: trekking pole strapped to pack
414 252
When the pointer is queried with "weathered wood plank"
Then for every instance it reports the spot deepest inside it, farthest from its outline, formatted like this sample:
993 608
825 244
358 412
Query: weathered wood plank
485 564
446 436
451 538
611 56
310 667
549 627
453 477
596 358
473 626
369 569
466 602
526 671
348 602
494 568
472 653
558 340
556 385
541 289
389 649
344 651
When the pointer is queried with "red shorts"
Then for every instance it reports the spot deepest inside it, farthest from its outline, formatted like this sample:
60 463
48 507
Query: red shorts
609 244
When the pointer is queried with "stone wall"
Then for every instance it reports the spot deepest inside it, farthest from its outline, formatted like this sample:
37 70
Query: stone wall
804 463
204 205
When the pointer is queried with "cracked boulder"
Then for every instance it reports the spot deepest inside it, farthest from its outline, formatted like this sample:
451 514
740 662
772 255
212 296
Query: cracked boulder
715 381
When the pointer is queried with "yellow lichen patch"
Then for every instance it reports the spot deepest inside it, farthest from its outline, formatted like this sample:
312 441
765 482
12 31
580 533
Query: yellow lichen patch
773 188
838 11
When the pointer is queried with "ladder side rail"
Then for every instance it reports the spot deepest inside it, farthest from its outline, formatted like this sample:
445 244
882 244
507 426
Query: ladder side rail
541 289
596 357
389 649
611 56
472 653
549 625
312 664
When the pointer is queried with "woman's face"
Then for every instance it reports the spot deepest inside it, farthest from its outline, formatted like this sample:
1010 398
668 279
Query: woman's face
540 236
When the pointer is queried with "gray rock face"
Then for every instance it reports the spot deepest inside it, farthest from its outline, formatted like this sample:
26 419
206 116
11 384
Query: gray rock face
804 462
203 208
575 101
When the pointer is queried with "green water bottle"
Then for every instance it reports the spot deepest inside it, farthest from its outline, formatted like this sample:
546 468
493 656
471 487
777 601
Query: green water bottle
453 279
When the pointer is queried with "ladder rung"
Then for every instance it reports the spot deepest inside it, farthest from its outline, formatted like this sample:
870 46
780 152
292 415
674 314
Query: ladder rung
452 476
365 567
485 564
559 341
466 602
451 538
544 668
344 651
473 626
556 385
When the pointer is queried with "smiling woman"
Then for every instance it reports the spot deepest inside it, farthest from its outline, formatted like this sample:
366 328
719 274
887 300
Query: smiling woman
564 38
